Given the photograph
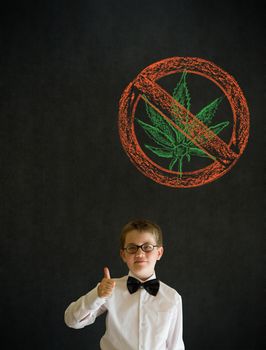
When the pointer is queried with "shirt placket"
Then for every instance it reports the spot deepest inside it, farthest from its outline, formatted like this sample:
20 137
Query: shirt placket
142 324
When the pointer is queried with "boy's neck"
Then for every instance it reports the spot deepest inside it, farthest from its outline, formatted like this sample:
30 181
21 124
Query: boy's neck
143 279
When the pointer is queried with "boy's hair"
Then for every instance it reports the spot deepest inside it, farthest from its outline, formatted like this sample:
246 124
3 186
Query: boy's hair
141 226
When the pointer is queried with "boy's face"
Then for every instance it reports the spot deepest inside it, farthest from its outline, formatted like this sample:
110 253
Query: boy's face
141 264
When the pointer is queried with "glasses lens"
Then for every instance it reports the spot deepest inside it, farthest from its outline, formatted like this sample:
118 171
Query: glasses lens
131 249
147 247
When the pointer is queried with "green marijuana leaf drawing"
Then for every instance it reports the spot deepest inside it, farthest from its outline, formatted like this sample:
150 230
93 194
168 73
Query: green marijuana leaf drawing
172 143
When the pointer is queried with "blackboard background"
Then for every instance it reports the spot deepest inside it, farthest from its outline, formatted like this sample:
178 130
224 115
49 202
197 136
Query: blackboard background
68 187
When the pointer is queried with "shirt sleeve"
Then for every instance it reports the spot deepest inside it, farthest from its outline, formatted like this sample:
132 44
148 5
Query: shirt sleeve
175 337
84 311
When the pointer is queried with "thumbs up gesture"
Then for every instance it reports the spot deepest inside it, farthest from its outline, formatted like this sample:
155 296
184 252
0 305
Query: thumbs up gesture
107 285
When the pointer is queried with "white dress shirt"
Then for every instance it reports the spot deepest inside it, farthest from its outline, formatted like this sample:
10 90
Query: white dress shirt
136 321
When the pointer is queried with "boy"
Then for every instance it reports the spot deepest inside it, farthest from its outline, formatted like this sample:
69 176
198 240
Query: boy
142 312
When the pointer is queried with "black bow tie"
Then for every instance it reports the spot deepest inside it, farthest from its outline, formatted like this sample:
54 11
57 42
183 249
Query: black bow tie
151 286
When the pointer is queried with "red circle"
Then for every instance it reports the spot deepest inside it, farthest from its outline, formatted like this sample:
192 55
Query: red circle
128 104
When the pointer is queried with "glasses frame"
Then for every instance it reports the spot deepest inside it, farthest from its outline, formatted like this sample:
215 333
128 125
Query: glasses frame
141 247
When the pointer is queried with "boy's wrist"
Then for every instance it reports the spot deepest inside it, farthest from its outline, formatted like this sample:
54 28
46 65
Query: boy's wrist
93 300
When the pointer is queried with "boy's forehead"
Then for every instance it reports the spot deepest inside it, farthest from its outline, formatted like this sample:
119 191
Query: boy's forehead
139 237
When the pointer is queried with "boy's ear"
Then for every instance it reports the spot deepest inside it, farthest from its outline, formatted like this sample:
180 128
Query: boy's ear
160 251
122 254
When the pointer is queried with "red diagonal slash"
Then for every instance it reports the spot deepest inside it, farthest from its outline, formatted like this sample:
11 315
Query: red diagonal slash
196 131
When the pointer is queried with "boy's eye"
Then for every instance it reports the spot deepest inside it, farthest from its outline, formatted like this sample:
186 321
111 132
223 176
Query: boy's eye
132 249
147 247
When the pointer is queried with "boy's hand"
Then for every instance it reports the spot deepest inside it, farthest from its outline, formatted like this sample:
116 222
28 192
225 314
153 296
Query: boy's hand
107 285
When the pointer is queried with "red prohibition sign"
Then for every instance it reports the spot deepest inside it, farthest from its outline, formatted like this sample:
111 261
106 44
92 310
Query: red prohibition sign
145 87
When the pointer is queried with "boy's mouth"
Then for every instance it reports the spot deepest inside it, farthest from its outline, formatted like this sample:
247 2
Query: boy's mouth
140 261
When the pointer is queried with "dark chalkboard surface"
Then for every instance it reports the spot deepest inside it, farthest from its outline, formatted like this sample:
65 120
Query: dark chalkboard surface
68 187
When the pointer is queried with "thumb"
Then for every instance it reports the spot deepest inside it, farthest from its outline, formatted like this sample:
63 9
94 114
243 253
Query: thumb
106 273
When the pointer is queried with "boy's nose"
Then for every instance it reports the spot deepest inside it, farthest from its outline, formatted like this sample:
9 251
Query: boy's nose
139 252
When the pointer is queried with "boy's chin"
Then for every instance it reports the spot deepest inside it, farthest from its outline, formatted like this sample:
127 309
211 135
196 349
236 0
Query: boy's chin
142 273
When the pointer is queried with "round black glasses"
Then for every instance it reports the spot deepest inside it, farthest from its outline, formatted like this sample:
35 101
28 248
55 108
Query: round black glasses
133 248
